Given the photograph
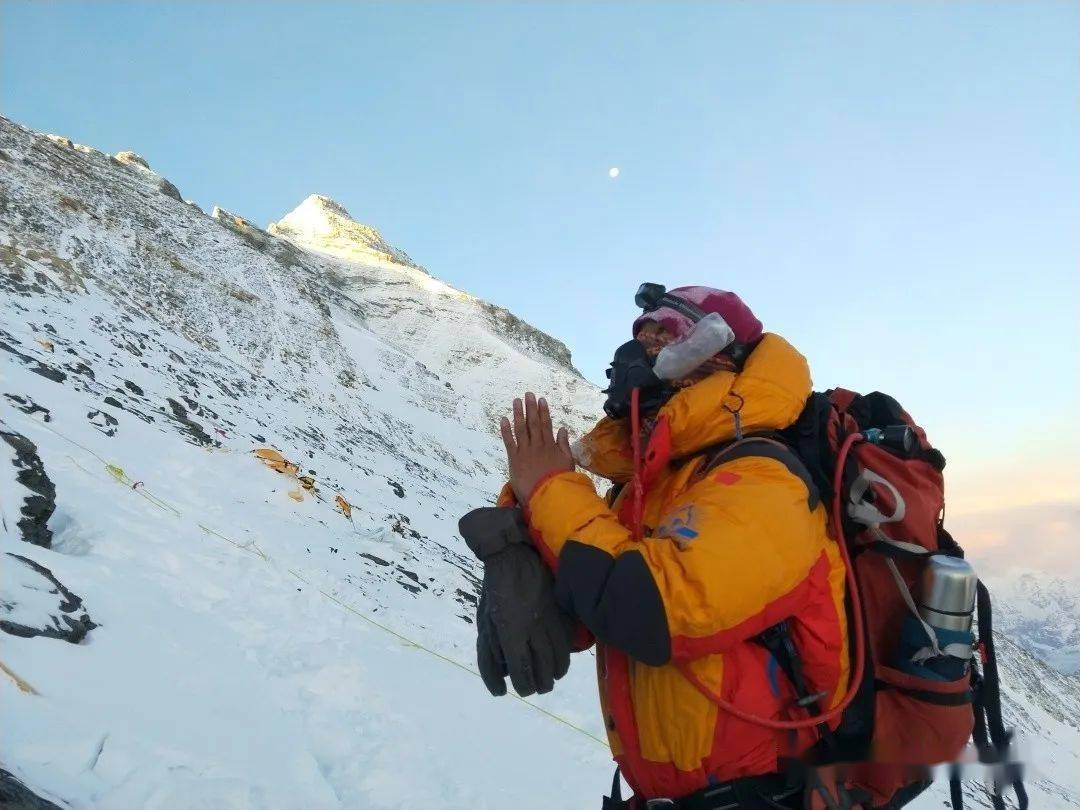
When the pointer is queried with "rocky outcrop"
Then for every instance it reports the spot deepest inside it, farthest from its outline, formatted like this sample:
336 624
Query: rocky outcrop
39 505
255 236
132 158
61 140
137 161
33 602
14 795
504 322
169 190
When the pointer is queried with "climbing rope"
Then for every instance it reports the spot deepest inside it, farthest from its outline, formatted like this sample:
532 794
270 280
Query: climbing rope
119 476
19 682
415 644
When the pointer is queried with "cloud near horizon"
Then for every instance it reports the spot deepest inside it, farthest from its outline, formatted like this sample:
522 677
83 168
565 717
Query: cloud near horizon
1041 537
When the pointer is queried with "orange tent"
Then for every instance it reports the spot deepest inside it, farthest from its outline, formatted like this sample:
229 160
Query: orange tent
275 461
344 506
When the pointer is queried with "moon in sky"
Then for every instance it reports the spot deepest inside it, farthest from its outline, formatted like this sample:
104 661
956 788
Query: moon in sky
613 172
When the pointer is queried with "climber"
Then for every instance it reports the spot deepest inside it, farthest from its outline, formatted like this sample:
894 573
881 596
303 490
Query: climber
707 570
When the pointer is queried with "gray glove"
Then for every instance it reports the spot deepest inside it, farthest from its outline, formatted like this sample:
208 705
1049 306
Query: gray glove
520 631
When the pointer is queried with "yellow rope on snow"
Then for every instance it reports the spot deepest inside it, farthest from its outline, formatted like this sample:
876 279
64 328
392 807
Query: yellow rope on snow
251 547
448 660
120 476
19 682
160 504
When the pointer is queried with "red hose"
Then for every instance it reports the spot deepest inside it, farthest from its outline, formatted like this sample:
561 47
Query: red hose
638 491
857 617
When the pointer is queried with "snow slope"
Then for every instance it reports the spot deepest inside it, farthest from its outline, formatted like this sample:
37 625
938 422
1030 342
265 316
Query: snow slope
251 646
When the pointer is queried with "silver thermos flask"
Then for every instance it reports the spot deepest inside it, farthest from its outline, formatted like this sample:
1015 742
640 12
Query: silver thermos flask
947 593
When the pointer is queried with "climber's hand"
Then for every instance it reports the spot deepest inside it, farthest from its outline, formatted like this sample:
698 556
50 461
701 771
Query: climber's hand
532 449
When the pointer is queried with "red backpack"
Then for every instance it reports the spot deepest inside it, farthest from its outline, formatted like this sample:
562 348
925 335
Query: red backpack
884 482
918 692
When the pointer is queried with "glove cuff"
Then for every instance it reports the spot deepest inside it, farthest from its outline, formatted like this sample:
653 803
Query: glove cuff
490 529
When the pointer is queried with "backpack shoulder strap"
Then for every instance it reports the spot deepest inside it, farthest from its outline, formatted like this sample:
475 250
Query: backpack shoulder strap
766 447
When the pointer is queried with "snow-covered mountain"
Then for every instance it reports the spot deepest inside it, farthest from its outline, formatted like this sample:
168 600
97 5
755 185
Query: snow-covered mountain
188 624
1028 557
1041 613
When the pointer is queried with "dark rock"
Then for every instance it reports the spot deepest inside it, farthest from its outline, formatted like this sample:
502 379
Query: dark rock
169 190
195 431
14 795
28 406
49 373
103 422
69 623
81 368
400 525
410 574
37 507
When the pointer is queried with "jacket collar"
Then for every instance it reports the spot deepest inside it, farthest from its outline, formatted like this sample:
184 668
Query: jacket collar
768 394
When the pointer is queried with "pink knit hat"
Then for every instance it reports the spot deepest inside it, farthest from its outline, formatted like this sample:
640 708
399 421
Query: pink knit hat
728 305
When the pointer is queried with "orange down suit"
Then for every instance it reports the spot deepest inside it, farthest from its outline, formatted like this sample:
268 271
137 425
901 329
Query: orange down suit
727 552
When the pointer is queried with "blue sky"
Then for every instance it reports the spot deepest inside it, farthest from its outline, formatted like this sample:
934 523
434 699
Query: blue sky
895 187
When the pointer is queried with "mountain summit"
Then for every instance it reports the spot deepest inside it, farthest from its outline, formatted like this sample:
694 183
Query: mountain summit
321 223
